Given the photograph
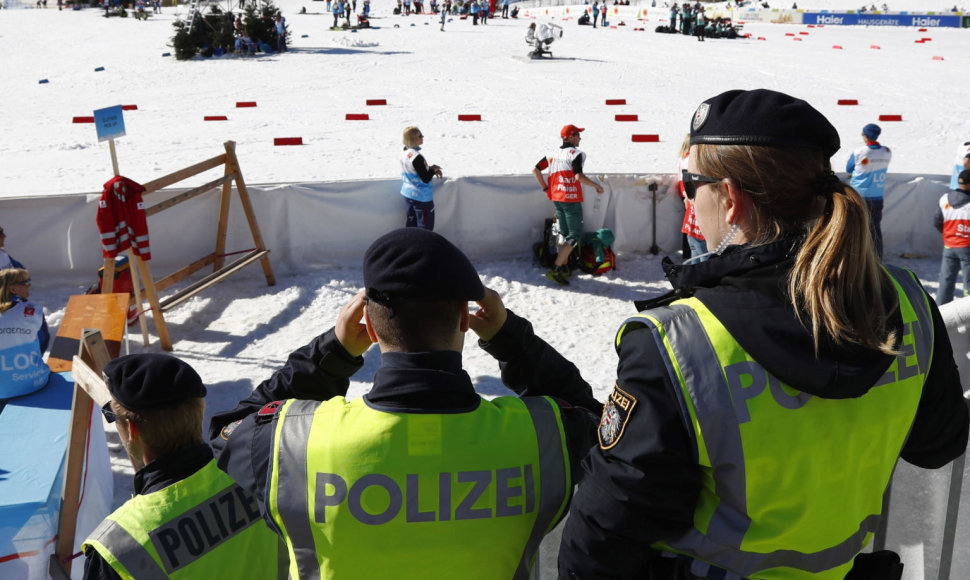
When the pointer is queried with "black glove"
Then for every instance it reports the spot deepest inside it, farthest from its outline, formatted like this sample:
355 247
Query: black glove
881 565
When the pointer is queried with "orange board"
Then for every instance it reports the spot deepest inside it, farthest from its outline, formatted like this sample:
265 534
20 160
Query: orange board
106 312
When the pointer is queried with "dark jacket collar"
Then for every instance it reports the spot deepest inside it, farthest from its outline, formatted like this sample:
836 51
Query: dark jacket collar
422 382
172 468
734 261
746 289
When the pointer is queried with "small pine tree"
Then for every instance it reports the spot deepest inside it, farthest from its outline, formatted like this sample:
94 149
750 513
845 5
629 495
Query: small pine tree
259 22
207 34
203 34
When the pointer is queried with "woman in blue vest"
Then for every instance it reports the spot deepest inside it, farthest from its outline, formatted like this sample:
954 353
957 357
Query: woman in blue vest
23 337
761 406
416 176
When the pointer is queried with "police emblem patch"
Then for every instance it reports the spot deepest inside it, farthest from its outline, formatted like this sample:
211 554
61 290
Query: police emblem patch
228 429
616 413
700 116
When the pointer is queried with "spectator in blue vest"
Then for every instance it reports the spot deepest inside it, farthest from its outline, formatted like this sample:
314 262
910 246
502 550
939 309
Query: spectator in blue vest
23 337
868 166
6 260
416 178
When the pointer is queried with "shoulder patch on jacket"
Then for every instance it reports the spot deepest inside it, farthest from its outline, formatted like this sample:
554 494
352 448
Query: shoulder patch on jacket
616 414
269 409
228 429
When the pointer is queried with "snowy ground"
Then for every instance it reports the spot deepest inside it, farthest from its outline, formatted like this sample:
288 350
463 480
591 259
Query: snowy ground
429 77
238 332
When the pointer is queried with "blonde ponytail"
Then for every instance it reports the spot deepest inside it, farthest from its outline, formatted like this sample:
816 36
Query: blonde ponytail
838 286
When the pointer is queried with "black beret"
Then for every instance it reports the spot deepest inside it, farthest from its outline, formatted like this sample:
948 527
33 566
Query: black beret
143 382
762 117
414 264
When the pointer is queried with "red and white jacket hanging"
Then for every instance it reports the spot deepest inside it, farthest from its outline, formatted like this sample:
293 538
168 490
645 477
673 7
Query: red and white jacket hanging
121 218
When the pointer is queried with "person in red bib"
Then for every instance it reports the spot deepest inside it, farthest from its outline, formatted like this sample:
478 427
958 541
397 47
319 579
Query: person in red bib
565 190
953 220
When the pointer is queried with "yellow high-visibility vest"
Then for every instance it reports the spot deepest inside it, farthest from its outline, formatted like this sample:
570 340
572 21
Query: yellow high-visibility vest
792 484
362 493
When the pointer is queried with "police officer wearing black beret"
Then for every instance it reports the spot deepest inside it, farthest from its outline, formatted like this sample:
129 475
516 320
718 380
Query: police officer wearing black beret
421 477
157 403
761 406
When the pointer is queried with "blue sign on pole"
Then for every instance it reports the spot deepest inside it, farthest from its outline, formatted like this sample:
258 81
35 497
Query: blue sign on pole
110 123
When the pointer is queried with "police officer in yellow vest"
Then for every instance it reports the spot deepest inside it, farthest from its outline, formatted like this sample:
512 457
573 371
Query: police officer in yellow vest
188 519
421 477
761 406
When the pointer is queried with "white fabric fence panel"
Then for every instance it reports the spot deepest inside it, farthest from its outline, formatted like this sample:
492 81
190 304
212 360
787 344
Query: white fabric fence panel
308 224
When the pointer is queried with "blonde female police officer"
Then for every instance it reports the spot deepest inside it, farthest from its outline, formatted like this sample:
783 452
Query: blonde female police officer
761 406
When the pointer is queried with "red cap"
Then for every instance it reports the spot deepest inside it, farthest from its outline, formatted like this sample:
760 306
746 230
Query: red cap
568 130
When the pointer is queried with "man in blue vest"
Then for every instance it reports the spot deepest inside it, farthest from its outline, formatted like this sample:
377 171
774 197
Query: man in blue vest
421 477
187 518
868 166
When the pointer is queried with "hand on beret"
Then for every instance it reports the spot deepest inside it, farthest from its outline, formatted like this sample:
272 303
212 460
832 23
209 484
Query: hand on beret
490 317
350 331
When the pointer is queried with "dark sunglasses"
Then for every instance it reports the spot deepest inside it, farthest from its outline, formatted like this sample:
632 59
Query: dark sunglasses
690 179
24 283
109 415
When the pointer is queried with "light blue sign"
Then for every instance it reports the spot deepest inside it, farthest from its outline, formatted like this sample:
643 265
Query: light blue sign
110 123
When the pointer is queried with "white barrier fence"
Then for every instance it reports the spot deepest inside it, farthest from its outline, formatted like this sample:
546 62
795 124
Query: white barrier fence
310 224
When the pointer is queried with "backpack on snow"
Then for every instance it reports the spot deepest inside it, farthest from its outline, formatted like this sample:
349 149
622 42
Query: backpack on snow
596 255
544 252
589 264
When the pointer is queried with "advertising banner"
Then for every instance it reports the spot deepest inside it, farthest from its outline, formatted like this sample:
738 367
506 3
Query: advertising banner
867 19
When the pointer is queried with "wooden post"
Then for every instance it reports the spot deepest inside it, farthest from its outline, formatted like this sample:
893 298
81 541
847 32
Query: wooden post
94 354
160 326
222 229
248 208
136 282
114 156
108 276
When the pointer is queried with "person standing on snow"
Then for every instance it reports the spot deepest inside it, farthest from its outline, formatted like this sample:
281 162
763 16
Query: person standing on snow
868 166
565 191
962 162
416 179
6 260
953 221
